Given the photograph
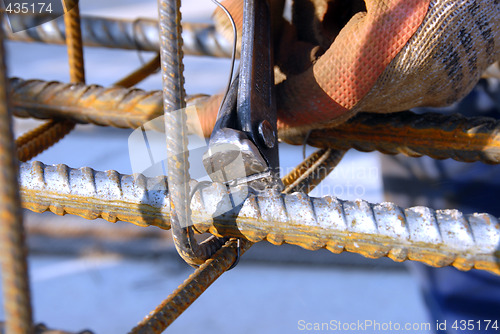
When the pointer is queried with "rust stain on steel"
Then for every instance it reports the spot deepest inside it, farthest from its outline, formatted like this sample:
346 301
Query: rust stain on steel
440 237
438 136
41 138
113 106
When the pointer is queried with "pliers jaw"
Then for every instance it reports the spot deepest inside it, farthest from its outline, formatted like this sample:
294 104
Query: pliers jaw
243 146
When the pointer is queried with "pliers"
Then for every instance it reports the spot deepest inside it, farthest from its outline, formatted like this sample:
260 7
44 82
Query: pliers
243 147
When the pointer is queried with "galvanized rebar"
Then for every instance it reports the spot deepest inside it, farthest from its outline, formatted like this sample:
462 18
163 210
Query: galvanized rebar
435 237
438 136
15 282
176 132
141 34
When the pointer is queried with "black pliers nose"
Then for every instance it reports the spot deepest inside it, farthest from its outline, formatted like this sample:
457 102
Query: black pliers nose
245 133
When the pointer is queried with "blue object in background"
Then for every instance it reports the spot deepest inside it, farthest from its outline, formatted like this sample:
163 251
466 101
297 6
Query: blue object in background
466 302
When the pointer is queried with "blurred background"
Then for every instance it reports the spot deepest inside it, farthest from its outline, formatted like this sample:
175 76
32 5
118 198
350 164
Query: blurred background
106 277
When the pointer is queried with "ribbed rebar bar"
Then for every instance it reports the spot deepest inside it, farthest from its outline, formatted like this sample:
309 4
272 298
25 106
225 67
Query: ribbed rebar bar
438 136
307 175
179 300
111 106
176 131
74 41
435 237
141 34
15 282
39 139
34 142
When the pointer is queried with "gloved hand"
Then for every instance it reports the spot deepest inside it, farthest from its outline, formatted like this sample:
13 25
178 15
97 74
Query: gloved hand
338 58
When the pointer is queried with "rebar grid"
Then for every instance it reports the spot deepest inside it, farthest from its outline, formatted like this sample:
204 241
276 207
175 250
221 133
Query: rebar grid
15 282
438 238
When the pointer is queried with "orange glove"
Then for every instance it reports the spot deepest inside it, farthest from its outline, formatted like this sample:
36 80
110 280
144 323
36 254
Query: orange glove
391 55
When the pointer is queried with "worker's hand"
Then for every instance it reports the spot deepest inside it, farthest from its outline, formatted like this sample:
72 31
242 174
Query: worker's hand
341 57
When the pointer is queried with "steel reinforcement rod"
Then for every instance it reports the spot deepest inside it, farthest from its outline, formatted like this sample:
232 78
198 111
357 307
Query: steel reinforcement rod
113 106
438 136
176 131
35 141
179 300
15 282
49 133
435 237
200 39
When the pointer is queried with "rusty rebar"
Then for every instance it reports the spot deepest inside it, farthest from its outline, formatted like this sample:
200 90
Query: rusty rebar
176 131
74 41
438 136
200 39
15 281
179 300
308 174
112 106
39 139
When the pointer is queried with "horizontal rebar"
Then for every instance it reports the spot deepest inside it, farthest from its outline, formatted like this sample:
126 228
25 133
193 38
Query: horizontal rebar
111 106
141 34
438 136
436 237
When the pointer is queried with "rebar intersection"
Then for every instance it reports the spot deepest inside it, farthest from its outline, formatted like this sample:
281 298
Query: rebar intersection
439 238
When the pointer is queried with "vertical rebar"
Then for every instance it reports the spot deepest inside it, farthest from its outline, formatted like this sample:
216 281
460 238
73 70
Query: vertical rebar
177 141
74 40
15 282
49 133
